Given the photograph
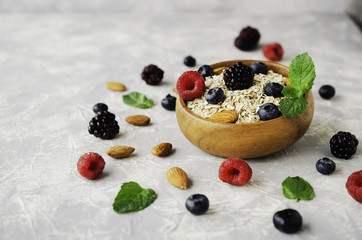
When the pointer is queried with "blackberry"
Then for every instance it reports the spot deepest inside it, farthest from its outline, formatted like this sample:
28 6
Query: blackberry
247 39
238 77
343 145
104 125
152 74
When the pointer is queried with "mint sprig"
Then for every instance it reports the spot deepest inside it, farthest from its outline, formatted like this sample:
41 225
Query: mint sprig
138 100
301 77
297 188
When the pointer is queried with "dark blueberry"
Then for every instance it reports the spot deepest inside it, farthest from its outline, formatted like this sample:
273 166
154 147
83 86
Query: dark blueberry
100 107
259 67
214 95
268 111
169 102
189 61
327 91
197 204
206 70
288 221
325 166
273 89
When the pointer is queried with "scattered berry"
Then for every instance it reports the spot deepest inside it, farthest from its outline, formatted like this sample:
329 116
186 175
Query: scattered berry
90 165
152 74
273 89
268 111
197 204
247 39
235 171
190 85
189 61
206 71
354 185
327 91
169 102
214 95
288 221
259 67
325 166
273 51
238 77
100 107
104 125
343 145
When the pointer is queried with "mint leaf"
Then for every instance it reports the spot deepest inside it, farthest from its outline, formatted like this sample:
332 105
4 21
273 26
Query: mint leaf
297 188
132 198
302 73
291 107
290 92
138 100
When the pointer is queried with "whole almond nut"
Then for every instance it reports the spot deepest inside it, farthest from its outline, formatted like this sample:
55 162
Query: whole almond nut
225 117
119 151
138 120
116 86
162 149
177 177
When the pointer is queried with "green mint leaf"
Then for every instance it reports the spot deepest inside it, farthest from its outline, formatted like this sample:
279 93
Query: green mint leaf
302 73
138 100
290 92
133 198
291 107
297 188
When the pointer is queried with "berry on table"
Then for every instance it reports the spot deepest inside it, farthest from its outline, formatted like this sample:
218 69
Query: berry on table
189 61
268 111
238 76
343 145
90 165
354 185
100 107
190 85
274 89
152 74
169 102
104 125
288 221
273 51
235 171
247 39
214 95
197 204
259 67
325 166
206 70
327 91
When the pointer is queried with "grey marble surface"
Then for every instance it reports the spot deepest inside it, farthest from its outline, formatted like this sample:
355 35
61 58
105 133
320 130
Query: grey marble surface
53 68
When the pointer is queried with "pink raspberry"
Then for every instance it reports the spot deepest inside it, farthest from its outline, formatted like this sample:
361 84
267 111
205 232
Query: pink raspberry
354 185
90 165
273 51
235 171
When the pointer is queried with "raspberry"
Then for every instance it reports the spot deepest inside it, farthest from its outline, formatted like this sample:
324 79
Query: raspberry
343 145
273 51
238 77
247 39
235 171
354 185
152 74
90 165
104 125
190 85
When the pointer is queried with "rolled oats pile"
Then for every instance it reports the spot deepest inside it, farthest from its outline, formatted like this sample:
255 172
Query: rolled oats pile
245 102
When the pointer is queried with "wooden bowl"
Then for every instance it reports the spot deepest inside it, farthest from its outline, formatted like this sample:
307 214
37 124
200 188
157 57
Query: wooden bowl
250 140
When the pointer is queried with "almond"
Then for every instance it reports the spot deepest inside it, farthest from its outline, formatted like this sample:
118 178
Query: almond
116 86
225 117
119 151
177 177
174 89
138 120
162 149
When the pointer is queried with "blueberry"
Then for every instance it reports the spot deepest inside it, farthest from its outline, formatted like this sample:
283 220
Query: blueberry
288 221
189 61
327 91
273 89
259 67
206 70
268 111
325 166
100 107
214 95
169 102
197 204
